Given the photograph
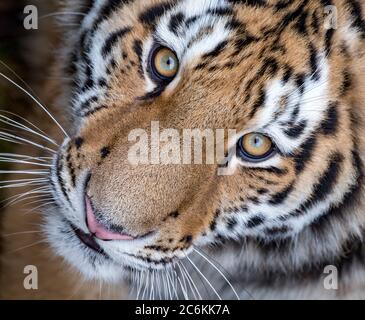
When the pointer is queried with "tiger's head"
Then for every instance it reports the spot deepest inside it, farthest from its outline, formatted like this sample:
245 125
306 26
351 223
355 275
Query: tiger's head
269 70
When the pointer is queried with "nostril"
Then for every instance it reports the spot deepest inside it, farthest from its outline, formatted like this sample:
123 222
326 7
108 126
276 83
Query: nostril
100 231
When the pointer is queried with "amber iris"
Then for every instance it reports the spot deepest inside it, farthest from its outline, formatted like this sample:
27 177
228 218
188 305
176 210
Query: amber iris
255 146
165 63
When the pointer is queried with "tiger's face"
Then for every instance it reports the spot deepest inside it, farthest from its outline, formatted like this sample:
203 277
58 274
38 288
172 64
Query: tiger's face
269 70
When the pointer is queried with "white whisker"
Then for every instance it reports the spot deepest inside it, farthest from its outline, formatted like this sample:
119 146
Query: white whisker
140 284
23 119
41 199
151 285
20 126
14 199
31 172
22 180
159 288
20 185
219 271
37 102
165 289
24 198
191 283
54 14
168 284
9 160
146 284
41 206
172 283
26 247
25 157
183 284
204 277
20 233
9 140
17 138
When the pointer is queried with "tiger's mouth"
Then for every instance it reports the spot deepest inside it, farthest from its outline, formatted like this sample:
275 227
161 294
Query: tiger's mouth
90 236
88 240
97 232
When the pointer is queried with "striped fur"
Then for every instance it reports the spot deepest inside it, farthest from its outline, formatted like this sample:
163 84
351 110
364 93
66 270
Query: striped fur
254 66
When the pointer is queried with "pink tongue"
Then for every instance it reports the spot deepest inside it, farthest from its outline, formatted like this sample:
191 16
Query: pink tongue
99 230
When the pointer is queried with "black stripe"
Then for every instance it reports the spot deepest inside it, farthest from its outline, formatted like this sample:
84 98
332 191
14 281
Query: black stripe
222 11
213 224
357 14
305 154
113 39
87 37
296 130
153 94
282 4
86 105
313 62
302 23
216 51
243 42
328 40
137 47
92 111
259 103
271 170
277 231
152 14
315 23
300 82
107 10
347 82
324 186
287 74
59 169
280 197
255 221
231 223
251 3
350 198
175 22
292 16
330 123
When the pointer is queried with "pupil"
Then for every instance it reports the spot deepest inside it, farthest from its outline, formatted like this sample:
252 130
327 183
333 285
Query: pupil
169 62
257 142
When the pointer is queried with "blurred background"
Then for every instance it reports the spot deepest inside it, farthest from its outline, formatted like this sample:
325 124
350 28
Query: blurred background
26 57
23 58
12 39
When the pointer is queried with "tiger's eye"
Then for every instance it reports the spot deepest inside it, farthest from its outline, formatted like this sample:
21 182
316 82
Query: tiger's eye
166 63
256 146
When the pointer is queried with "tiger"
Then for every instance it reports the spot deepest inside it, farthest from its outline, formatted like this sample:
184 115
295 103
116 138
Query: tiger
287 75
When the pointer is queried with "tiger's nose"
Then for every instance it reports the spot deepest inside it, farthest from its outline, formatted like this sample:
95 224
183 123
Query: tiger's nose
100 231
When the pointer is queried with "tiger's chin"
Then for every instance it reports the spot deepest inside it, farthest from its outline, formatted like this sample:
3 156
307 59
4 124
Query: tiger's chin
109 261
93 264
